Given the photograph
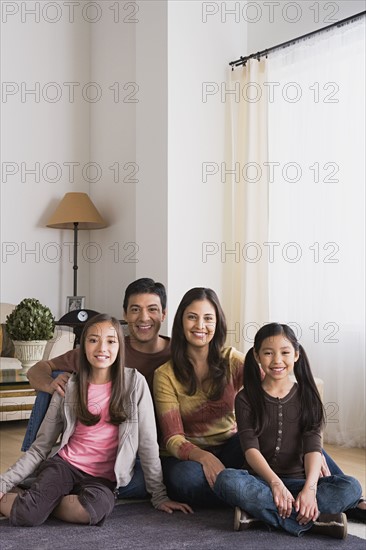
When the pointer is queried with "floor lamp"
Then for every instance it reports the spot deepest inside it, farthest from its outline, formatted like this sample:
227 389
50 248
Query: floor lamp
76 211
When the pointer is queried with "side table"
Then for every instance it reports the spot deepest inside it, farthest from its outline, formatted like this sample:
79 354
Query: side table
16 395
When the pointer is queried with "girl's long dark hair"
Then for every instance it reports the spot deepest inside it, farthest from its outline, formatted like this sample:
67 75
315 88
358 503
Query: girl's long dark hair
117 413
183 368
312 410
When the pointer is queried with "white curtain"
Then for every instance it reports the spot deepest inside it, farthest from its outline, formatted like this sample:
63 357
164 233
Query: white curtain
315 92
247 205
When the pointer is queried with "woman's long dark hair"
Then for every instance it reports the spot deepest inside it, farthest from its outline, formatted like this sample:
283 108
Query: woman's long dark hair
117 413
312 410
183 368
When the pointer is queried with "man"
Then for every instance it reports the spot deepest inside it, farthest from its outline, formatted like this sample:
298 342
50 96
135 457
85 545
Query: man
144 308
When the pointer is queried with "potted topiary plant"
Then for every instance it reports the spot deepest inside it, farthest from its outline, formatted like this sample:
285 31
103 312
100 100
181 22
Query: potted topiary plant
30 325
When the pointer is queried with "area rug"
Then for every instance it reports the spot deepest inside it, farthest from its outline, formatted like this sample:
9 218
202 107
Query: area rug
137 526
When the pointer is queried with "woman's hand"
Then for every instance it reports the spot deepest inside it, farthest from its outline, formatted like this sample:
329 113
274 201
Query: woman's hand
306 505
211 465
283 499
170 505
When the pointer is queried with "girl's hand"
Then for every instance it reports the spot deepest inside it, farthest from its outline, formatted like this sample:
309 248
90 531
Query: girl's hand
212 466
170 505
306 505
283 499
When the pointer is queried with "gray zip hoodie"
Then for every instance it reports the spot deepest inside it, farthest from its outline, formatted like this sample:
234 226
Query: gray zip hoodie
136 435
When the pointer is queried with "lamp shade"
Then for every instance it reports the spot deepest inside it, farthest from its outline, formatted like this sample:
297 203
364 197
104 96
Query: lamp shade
76 208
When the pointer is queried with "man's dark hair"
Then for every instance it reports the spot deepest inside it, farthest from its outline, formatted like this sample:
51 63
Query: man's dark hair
145 286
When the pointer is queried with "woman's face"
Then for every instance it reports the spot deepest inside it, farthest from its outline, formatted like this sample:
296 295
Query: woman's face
199 323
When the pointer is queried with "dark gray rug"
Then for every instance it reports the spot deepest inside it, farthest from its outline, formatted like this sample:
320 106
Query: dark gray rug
136 526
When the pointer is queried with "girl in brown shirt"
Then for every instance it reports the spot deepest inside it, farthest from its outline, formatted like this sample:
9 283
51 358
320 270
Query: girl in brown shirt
279 424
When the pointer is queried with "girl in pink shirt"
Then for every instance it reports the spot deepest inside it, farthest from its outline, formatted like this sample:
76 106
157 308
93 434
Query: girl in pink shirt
96 416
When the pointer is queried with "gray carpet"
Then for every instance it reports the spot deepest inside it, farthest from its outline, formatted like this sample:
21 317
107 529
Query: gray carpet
136 526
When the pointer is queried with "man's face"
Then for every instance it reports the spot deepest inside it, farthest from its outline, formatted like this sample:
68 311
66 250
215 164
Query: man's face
144 316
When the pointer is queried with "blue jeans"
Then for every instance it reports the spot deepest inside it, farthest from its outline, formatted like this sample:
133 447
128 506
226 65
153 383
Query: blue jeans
333 467
238 488
136 488
186 482
37 415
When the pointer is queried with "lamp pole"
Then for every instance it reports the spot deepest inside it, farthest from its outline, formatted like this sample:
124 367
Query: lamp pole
75 267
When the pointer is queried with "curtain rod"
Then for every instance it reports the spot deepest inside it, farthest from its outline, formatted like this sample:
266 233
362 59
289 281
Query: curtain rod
258 55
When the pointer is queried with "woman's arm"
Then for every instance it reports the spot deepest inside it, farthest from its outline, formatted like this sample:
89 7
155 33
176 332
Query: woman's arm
169 417
172 429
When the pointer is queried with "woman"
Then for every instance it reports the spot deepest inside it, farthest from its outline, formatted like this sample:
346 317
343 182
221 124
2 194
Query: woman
194 396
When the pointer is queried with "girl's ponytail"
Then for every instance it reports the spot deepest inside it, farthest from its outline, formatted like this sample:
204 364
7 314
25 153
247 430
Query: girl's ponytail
253 391
312 410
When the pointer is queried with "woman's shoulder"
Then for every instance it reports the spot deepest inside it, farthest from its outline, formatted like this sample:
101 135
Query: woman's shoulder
232 353
234 358
166 368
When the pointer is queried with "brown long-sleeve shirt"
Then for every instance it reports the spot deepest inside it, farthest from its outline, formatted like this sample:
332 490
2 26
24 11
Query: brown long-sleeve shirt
282 443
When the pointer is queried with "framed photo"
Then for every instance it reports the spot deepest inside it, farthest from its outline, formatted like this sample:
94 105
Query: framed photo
75 302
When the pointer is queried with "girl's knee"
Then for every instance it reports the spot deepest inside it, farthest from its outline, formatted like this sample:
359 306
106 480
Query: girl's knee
354 485
98 504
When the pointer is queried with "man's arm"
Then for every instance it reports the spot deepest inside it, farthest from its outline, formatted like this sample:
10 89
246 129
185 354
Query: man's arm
40 375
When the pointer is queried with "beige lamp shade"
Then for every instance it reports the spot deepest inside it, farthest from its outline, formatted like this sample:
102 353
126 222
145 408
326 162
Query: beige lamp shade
76 208
76 211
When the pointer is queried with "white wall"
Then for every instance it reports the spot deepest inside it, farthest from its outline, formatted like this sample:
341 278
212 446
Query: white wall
152 141
113 147
201 44
46 127
169 54
162 51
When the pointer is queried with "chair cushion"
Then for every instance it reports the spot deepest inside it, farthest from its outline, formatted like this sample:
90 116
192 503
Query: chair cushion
6 343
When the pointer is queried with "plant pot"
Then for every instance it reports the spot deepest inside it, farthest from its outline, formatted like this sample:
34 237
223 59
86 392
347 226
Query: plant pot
29 352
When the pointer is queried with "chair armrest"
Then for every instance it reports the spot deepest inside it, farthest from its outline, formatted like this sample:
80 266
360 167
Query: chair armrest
62 342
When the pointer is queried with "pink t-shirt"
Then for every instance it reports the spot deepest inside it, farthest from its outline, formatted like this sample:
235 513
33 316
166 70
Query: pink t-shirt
93 449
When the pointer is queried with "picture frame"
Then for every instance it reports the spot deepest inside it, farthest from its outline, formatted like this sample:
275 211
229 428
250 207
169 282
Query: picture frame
75 302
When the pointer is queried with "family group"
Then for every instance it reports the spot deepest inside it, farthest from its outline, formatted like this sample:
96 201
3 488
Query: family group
184 421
